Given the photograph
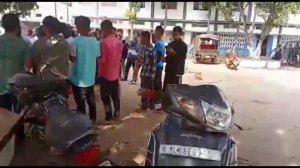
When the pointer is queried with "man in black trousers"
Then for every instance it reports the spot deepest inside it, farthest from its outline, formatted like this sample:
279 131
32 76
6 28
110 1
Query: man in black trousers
176 55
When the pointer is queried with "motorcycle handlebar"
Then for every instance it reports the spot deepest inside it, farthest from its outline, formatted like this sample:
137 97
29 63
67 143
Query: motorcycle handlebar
41 71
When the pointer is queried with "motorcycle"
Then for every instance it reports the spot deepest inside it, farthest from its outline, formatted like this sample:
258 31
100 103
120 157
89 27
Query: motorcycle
232 62
45 113
195 131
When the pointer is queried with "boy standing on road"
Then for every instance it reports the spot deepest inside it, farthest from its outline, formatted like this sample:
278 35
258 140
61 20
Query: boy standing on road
83 74
176 55
109 70
148 69
132 54
160 50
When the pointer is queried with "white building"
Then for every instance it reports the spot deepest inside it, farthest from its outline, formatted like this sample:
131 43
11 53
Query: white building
189 15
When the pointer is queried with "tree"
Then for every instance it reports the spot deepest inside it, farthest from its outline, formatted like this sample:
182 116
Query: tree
209 6
131 13
273 13
22 8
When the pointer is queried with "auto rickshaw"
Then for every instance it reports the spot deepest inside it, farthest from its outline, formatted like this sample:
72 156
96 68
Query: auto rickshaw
205 48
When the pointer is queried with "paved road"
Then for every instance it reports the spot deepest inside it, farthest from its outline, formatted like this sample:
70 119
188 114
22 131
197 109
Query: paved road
266 105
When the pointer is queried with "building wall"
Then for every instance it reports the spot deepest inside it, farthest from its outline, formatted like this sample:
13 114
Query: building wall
97 9
159 13
46 9
118 11
84 8
145 12
197 14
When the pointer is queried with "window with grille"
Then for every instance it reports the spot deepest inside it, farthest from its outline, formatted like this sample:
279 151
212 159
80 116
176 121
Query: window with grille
288 38
170 5
229 40
114 22
109 3
236 6
139 23
258 27
168 23
198 6
199 24
142 4
229 26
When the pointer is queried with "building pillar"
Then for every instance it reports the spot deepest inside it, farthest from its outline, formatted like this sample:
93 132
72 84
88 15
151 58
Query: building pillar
184 15
97 14
152 15
279 35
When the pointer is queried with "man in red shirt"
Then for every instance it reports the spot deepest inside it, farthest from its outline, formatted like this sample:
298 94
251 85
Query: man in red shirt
109 70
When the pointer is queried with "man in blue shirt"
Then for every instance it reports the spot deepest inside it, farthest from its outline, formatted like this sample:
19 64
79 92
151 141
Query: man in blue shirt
160 49
87 49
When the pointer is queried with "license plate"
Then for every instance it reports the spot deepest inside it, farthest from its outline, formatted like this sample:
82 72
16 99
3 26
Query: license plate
187 151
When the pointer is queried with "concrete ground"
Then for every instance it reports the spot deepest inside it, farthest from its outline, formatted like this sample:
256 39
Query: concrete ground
266 105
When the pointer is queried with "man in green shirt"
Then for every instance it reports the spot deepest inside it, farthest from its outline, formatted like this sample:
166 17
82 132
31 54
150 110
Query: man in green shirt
14 52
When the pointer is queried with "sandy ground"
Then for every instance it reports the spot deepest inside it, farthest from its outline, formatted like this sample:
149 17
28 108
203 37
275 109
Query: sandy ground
266 105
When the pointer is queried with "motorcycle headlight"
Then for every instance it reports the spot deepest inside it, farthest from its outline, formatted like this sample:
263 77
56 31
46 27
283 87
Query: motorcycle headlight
216 117
191 107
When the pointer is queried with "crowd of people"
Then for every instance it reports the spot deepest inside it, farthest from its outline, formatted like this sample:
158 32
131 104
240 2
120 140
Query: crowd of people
81 61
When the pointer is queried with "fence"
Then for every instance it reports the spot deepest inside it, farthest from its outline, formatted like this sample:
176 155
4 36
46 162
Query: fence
229 40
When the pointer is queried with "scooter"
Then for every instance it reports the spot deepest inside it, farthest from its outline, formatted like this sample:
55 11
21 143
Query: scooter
232 62
195 131
45 113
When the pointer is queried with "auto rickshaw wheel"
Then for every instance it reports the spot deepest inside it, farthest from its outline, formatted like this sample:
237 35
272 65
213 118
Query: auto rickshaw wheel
195 59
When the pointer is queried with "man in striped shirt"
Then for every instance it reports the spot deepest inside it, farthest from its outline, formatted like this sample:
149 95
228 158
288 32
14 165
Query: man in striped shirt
149 59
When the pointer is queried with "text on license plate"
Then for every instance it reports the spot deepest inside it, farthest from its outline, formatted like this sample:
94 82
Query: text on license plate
187 151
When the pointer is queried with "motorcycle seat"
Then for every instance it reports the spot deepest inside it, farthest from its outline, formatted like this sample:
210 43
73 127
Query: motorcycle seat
30 80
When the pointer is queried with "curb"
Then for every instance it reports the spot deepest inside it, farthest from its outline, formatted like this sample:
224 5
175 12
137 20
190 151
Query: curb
260 64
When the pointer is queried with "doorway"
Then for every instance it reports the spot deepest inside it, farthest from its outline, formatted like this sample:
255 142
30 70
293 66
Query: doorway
263 46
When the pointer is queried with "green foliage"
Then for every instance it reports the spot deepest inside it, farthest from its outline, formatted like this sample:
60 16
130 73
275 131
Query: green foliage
134 8
273 13
276 13
22 8
209 5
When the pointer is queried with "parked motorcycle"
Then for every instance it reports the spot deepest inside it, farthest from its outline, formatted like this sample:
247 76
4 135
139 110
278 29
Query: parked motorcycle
45 113
195 131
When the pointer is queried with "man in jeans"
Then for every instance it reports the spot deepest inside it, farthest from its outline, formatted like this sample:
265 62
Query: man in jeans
109 70
83 74
14 52
148 69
